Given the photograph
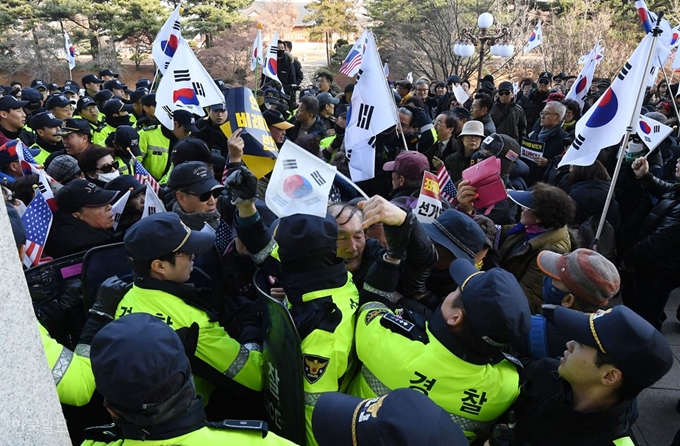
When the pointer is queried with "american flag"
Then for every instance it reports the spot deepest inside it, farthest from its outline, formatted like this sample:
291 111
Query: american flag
447 189
37 220
226 171
25 154
223 236
350 66
143 176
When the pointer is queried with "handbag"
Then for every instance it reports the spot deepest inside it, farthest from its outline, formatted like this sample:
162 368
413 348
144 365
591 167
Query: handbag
486 177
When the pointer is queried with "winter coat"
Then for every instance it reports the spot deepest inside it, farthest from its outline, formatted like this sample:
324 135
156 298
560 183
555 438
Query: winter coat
509 120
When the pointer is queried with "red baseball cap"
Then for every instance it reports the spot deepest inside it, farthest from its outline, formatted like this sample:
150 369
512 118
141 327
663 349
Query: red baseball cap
410 164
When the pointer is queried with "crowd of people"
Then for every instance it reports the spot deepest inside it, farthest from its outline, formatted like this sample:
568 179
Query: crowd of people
495 325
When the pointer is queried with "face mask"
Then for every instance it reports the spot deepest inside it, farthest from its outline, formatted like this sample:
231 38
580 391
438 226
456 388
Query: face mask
117 121
106 177
635 150
552 295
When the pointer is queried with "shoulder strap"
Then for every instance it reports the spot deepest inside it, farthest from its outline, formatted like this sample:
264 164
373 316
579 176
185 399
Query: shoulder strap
106 433
538 345
403 327
247 425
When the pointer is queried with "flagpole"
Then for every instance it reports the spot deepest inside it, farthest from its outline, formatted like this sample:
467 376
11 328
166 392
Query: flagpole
545 62
351 183
257 66
656 31
153 82
675 106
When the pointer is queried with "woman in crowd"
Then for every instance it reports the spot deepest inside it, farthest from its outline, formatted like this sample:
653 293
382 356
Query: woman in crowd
98 165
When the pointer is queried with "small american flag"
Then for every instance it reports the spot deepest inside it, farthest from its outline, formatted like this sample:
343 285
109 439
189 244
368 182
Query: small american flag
223 236
143 176
350 66
447 189
25 154
37 220
226 171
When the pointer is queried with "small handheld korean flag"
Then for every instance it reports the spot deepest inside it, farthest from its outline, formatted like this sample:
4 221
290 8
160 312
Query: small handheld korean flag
605 122
70 51
429 201
579 91
118 208
535 39
300 183
270 68
256 54
167 41
652 132
186 85
152 204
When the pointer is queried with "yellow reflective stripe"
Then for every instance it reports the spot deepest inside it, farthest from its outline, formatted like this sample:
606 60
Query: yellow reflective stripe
624 441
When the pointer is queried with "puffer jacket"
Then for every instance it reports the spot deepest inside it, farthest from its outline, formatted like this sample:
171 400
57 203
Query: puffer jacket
510 120
656 254
69 235
519 258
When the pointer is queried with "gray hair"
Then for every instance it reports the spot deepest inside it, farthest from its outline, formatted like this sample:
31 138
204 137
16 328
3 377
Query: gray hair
559 108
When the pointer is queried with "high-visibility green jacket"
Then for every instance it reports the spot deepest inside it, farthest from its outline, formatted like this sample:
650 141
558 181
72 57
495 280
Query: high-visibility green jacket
99 136
215 347
72 372
475 395
155 147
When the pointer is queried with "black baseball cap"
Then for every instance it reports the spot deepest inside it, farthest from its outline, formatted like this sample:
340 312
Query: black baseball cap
132 355
124 183
636 348
546 75
9 102
495 304
164 233
401 417
81 193
115 105
58 100
506 86
138 94
493 144
453 79
218 107
103 96
186 119
149 99
191 149
306 241
274 118
143 83
90 78
44 119
72 88
522 198
326 98
53 87
75 125
462 113
115 83
126 137
458 233
193 176
85 102
107 72
32 96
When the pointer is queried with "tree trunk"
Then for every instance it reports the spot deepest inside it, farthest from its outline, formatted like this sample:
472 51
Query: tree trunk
328 51
94 45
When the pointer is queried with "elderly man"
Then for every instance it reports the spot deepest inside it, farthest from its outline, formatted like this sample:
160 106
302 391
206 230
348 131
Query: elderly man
551 135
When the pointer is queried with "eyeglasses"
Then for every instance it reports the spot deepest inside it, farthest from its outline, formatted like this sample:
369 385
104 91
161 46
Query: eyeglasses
108 168
547 113
205 196
504 93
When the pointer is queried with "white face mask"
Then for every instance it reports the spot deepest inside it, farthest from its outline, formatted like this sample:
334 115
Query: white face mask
106 177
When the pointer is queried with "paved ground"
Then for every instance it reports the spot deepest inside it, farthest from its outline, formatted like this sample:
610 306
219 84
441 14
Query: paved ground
659 421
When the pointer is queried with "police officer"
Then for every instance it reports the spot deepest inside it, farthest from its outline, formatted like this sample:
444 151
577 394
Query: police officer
117 113
60 106
322 296
454 354
87 109
141 368
137 107
125 144
582 280
587 397
212 134
48 138
162 249
13 119
156 142
92 84
76 137
149 112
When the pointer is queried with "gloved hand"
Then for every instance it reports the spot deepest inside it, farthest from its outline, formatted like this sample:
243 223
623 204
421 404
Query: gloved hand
189 338
244 314
109 295
241 185
398 237
503 434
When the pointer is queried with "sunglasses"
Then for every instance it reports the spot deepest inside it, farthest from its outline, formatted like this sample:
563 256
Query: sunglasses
503 93
108 168
543 81
206 195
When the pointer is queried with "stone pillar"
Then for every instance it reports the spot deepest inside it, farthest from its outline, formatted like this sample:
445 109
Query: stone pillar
30 413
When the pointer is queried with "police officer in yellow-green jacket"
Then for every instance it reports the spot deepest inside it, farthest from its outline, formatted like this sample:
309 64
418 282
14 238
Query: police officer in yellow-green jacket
116 113
48 138
322 297
141 368
454 354
71 372
156 142
162 249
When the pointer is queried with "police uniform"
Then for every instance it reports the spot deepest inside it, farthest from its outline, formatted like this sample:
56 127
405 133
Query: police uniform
101 133
155 148
71 372
227 432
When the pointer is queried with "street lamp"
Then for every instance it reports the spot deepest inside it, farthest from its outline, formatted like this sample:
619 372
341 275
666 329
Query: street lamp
498 47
